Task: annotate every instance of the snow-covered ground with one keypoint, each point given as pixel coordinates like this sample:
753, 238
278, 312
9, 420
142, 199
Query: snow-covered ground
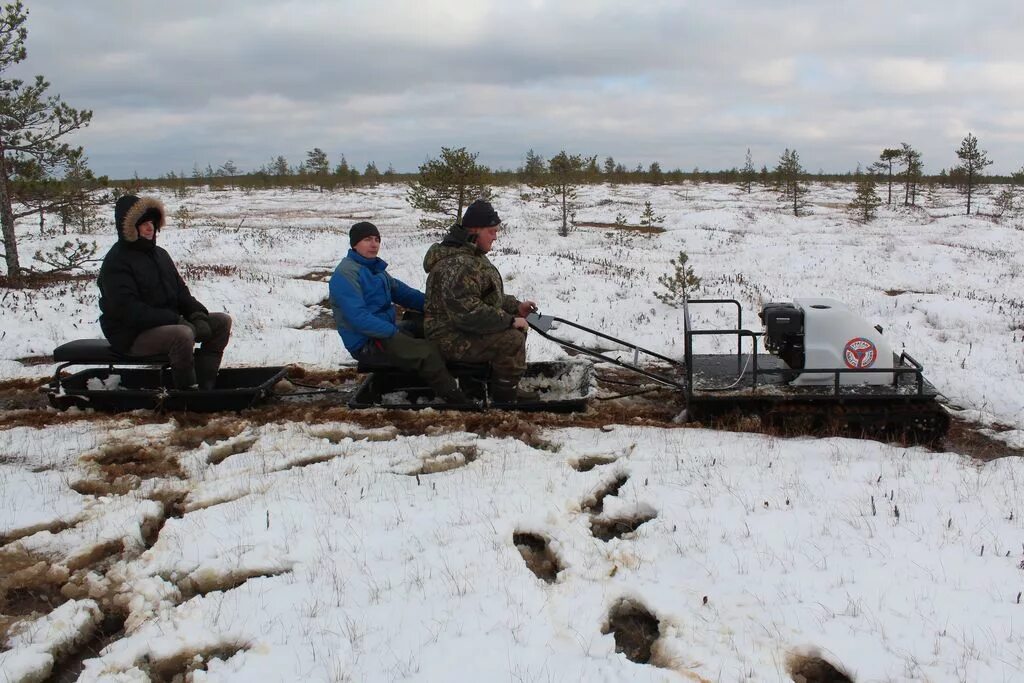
338, 552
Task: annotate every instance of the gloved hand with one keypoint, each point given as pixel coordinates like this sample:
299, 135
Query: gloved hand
201, 322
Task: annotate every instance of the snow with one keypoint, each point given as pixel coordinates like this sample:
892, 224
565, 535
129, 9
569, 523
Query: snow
337, 551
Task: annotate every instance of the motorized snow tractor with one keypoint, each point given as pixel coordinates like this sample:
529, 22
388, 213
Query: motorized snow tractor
825, 366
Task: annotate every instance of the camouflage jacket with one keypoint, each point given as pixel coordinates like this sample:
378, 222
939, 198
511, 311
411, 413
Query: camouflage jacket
464, 295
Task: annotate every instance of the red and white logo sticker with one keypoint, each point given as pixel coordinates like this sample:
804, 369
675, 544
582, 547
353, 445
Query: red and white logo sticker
860, 353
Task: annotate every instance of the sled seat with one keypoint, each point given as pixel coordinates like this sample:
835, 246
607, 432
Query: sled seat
99, 352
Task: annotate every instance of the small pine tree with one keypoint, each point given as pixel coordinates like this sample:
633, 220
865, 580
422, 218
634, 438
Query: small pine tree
972, 162
748, 174
448, 185
679, 283
866, 202
789, 181
558, 187
648, 217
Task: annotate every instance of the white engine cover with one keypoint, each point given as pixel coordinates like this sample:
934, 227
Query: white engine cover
836, 337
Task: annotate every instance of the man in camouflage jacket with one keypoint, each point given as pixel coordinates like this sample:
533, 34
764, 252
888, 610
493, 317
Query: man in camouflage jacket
467, 313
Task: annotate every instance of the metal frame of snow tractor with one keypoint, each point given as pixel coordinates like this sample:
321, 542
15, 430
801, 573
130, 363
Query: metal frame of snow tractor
716, 385
753, 383
145, 382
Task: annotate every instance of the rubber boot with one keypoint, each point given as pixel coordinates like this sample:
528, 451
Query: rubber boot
207, 365
504, 391
449, 392
184, 379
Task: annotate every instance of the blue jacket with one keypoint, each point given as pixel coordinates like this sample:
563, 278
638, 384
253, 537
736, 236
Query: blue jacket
363, 297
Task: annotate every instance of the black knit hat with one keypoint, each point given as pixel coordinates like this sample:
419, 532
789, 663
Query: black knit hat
480, 214
361, 231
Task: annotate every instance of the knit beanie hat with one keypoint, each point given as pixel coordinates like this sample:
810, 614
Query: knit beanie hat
480, 214
361, 231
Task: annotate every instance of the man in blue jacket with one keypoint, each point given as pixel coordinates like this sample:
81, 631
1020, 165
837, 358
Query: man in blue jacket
363, 296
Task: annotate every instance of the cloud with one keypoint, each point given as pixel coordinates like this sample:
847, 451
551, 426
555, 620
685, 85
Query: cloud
192, 82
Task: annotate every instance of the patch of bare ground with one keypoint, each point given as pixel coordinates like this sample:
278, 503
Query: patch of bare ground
635, 630
22, 394
967, 439
812, 668
606, 528
644, 229
217, 429
589, 462
316, 276
222, 450
145, 461
323, 318
22, 532
208, 582
446, 458
537, 553
29, 584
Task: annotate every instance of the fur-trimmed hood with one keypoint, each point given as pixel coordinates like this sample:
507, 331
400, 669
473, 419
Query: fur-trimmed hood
129, 211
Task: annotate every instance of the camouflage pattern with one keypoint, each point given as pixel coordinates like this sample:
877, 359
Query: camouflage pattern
467, 313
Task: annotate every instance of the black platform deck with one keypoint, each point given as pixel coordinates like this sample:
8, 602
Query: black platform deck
147, 388
404, 391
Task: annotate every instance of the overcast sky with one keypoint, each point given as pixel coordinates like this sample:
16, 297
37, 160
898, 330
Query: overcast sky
683, 82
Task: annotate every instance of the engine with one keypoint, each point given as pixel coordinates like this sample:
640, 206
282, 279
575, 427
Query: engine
824, 334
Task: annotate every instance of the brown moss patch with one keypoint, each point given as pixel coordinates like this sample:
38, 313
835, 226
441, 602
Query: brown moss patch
625, 227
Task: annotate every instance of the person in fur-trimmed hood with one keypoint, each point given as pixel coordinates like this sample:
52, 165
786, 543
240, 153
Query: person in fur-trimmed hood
147, 309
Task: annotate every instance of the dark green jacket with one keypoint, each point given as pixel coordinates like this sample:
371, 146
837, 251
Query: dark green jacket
464, 294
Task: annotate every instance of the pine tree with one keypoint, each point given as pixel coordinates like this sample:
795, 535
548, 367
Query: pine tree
866, 202
279, 167
609, 166
32, 125
972, 162
910, 159
559, 186
748, 174
317, 163
533, 169
371, 176
884, 164
680, 283
448, 185
789, 181
654, 174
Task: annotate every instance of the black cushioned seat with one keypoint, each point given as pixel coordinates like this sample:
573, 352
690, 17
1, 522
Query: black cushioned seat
98, 351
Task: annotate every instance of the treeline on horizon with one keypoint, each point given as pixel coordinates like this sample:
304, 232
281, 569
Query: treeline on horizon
317, 172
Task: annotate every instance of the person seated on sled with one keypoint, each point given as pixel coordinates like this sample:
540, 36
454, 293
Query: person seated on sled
363, 297
147, 309
467, 313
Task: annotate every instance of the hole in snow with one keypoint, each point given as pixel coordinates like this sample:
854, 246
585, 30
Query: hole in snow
635, 630
813, 668
70, 667
221, 451
595, 502
179, 666
537, 554
339, 434
608, 528
202, 582
589, 462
